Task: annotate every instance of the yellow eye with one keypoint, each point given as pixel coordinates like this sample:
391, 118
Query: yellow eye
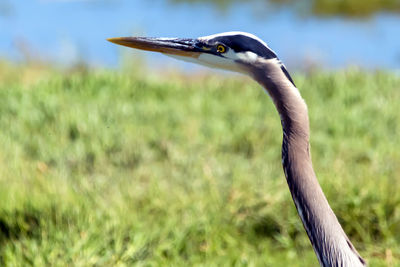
221, 49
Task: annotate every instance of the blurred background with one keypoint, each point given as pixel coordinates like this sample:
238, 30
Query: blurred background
328, 34
116, 157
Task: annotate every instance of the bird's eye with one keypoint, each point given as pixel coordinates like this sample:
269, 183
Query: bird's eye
221, 49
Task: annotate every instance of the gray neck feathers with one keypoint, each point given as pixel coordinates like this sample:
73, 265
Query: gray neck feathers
330, 243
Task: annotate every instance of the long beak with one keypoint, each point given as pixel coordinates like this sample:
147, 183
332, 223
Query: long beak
170, 46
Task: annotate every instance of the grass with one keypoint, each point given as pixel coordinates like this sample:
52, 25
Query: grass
118, 169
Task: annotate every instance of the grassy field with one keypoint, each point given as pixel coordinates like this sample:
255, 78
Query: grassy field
109, 168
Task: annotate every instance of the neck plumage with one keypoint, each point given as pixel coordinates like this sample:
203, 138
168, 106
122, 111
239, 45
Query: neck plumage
330, 243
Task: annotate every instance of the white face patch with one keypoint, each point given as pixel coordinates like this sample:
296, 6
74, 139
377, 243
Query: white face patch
230, 60
248, 56
214, 61
227, 61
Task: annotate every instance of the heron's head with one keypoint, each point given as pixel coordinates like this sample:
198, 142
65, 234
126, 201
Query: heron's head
235, 51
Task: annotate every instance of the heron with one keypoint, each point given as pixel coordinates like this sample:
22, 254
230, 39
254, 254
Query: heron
247, 54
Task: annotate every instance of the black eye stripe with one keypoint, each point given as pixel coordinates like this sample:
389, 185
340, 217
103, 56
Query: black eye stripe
243, 43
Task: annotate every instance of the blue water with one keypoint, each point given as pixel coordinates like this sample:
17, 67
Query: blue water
66, 31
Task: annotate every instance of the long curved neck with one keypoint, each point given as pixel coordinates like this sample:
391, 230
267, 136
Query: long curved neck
330, 243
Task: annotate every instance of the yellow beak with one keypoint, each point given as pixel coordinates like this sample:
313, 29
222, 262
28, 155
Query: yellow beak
170, 46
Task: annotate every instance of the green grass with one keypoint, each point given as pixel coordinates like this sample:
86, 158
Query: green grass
118, 169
